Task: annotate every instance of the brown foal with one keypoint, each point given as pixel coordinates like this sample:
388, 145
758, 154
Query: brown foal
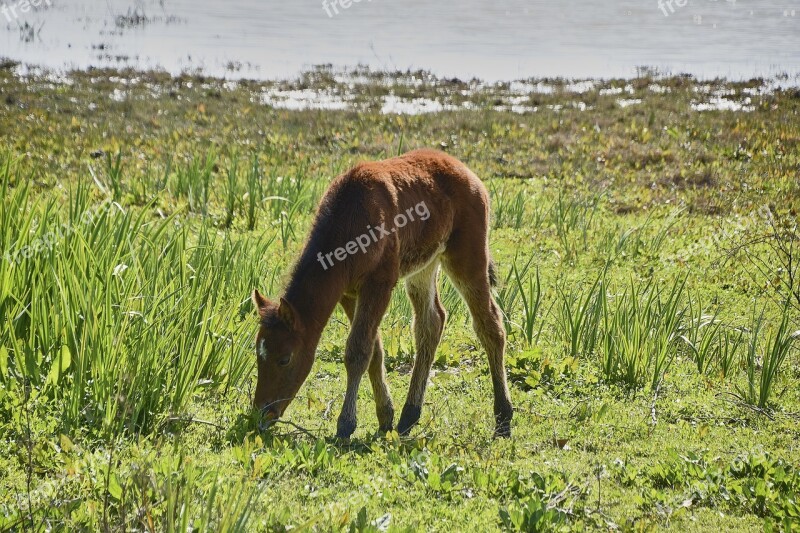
378, 223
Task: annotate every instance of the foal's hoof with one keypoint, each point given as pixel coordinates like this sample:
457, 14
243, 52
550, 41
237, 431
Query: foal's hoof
345, 428
408, 418
502, 430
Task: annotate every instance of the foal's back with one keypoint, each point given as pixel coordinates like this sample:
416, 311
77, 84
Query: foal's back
396, 194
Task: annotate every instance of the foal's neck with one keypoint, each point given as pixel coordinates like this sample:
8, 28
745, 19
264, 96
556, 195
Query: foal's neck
314, 293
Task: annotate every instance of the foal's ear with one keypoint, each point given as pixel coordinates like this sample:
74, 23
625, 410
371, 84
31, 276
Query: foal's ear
287, 314
260, 302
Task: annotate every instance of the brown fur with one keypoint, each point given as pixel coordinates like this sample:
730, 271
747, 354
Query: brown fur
454, 235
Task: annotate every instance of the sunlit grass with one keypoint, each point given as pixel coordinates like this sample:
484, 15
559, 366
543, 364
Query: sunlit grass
642, 377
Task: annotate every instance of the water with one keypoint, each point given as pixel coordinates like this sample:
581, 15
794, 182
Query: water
491, 40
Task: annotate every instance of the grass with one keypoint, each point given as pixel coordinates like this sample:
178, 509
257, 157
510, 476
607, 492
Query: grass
649, 308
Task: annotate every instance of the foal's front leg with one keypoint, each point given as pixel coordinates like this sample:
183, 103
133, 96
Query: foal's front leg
377, 374
370, 307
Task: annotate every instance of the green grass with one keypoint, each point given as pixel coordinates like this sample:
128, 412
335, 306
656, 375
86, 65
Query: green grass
648, 302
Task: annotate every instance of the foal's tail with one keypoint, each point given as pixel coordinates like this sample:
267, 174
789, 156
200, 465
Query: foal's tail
492, 274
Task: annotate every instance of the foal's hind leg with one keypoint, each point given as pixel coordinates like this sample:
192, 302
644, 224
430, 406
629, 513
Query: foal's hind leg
429, 318
469, 272
377, 374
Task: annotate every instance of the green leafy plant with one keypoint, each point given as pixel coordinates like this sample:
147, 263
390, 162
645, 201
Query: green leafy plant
702, 336
640, 332
764, 360
580, 315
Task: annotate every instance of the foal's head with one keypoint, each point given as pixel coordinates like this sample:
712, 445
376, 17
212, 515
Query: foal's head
282, 368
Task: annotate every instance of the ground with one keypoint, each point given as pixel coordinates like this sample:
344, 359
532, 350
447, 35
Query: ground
641, 230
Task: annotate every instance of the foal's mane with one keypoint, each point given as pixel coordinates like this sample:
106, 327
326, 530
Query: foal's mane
341, 216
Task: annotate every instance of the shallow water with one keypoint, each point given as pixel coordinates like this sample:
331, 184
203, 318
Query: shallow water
510, 39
